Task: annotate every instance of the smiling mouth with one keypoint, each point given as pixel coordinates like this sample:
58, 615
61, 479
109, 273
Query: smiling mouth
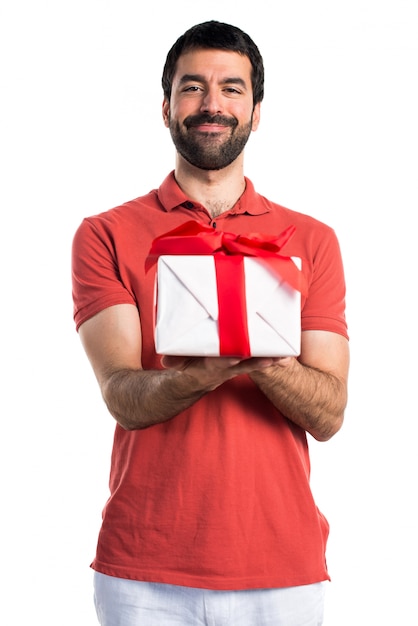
209, 128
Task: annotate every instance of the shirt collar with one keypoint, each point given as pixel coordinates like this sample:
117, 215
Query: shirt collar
171, 197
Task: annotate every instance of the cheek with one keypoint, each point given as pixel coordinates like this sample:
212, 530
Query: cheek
246, 115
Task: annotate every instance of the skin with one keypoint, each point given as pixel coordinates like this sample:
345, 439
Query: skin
310, 390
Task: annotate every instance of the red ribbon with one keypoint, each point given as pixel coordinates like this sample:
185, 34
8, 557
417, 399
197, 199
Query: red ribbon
228, 250
232, 308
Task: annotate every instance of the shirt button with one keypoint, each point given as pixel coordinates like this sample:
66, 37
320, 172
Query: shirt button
188, 204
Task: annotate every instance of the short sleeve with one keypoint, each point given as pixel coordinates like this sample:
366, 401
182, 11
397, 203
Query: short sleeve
96, 282
324, 308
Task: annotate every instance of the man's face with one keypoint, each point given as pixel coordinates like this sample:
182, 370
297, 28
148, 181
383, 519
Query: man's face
210, 114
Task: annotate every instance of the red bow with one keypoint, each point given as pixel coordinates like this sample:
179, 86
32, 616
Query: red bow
194, 238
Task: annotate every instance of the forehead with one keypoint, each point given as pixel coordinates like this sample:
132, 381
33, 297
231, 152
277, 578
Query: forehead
210, 63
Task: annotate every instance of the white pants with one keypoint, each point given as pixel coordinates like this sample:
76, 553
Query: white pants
121, 602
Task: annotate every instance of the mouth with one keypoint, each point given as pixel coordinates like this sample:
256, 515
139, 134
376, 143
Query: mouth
209, 128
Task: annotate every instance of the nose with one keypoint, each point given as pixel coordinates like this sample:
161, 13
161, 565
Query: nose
211, 102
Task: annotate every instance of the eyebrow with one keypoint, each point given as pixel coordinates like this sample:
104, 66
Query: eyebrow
199, 78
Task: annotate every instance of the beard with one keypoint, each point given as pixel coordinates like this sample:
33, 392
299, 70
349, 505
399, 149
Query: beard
208, 151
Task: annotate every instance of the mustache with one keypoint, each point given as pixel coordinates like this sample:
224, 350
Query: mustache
205, 118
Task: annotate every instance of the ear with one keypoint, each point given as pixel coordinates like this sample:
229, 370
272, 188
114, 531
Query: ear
166, 112
256, 116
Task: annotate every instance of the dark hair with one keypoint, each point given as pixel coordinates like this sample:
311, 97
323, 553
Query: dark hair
218, 36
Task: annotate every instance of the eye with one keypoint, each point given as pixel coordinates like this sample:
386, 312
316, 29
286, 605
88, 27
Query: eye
191, 88
233, 91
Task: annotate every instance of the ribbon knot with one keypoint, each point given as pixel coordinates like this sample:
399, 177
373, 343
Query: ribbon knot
194, 238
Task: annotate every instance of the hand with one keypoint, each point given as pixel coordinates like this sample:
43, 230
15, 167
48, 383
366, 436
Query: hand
226, 367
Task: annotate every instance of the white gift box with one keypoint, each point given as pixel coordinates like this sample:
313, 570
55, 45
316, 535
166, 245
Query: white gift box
186, 308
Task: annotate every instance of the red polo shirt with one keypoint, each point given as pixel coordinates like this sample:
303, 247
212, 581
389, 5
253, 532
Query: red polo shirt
219, 496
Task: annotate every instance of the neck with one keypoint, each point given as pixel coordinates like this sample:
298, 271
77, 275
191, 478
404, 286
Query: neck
216, 190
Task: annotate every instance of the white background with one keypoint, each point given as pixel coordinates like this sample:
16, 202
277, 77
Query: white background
81, 131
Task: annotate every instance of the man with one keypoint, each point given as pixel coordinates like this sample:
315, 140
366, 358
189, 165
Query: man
210, 518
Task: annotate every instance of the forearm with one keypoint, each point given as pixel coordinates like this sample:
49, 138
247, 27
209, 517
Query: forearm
141, 398
313, 399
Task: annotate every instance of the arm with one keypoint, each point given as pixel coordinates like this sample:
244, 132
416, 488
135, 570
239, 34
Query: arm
139, 398
311, 391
